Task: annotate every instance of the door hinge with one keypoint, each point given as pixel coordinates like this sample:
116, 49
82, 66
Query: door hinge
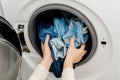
22, 38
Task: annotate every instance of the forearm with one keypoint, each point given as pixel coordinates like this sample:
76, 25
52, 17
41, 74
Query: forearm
68, 63
68, 72
40, 73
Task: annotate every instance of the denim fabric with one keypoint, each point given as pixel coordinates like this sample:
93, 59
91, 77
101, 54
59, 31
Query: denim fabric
75, 29
65, 33
44, 29
60, 31
60, 28
59, 48
57, 67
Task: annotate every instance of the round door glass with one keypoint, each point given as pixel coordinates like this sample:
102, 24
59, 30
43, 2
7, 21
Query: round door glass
9, 61
48, 13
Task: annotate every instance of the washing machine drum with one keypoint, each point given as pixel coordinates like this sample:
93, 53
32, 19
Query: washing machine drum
47, 15
9, 52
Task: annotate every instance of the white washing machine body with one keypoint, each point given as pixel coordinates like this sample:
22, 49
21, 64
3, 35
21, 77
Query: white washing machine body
1, 11
104, 17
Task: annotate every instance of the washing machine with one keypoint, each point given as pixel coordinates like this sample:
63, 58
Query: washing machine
101, 17
10, 51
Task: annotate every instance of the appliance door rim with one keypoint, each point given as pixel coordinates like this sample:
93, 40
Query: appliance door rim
9, 43
12, 33
70, 10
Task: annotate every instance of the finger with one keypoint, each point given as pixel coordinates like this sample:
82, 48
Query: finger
84, 52
41, 45
47, 39
72, 41
82, 47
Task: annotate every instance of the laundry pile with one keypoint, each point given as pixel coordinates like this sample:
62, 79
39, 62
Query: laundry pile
61, 30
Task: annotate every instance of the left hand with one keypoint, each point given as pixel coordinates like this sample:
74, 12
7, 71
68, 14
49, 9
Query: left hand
47, 59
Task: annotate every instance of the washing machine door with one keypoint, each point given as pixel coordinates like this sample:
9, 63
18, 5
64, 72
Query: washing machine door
10, 52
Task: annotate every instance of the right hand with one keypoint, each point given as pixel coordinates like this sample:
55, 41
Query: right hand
74, 55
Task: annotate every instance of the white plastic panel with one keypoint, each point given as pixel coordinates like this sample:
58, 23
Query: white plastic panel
1, 11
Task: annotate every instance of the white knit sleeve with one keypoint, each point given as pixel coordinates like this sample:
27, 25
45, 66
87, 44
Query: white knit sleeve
40, 73
68, 74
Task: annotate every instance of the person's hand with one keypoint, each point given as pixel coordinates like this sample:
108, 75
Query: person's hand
47, 59
74, 55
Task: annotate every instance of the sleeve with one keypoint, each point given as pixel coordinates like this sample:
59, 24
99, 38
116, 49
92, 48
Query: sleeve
40, 73
68, 74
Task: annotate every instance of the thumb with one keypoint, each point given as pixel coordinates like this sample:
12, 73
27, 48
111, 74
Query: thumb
41, 45
82, 47
72, 41
47, 39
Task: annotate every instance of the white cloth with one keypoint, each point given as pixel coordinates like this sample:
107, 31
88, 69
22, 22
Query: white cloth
68, 74
41, 73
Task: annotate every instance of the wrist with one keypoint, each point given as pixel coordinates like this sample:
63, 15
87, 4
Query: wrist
68, 63
46, 63
48, 59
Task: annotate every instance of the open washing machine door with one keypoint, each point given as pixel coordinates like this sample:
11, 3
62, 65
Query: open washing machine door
10, 52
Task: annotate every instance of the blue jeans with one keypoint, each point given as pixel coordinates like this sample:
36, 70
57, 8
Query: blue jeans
58, 47
75, 29
60, 31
